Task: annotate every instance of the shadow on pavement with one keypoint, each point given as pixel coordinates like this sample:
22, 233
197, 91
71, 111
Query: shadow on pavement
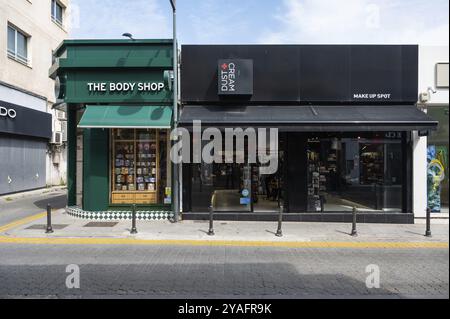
174, 280
56, 202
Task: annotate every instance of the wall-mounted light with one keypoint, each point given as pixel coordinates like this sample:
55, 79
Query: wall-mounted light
128, 35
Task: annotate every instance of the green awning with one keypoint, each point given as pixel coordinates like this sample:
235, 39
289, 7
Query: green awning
130, 116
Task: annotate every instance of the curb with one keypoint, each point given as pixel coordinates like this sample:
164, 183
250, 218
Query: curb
25, 194
4, 238
221, 243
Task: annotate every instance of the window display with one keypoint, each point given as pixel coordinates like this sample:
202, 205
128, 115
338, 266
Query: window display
136, 160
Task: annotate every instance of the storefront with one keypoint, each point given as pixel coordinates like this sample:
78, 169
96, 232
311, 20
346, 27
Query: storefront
24, 136
119, 116
345, 117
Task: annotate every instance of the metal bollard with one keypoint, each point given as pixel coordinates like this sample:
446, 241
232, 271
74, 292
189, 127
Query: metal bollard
211, 222
354, 232
428, 230
49, 228
279, 232
133, 220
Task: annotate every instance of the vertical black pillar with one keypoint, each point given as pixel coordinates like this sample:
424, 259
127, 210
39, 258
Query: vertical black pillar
187, 184
296, 170
71, 154
407, 183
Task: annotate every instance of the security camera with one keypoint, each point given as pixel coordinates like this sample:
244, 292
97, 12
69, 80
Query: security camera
432, 90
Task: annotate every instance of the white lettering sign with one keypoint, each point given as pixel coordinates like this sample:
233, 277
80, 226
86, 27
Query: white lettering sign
372, 96
228, 77
127, 87
4, 112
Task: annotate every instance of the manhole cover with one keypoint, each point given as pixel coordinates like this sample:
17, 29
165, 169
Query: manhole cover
101, 224
54, 226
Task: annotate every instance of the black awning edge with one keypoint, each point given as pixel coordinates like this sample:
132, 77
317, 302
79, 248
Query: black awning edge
324, 119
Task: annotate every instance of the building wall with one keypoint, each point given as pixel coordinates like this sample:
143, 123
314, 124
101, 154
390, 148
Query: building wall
428, 57
12, 95
33, 18
29, 85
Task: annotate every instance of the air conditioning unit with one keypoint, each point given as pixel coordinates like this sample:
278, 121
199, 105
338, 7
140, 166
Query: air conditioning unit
61, 115
424, 97
64, 131
56, 138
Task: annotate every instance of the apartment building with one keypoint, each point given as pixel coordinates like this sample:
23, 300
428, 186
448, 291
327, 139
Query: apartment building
32, 134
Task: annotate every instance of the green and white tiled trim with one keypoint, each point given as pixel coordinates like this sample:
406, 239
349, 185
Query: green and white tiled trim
77, 212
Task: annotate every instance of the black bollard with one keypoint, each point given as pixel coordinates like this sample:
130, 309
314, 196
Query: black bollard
279, 232
133, 220
354, 232
428, 230
49, 228
211, 221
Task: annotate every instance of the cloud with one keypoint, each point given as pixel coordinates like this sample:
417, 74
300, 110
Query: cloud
111, 18
360, 21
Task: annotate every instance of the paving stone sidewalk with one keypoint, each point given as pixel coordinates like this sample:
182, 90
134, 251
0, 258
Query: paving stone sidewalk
66, 226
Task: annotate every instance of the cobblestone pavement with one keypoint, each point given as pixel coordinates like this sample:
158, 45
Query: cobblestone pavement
225, 272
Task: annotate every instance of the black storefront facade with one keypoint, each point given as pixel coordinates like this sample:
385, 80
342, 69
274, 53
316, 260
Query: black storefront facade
344, 114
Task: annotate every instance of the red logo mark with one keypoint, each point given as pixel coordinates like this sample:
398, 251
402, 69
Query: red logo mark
224, 66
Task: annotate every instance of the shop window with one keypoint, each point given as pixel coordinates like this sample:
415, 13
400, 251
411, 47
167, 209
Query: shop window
346, 172
237, 187
17, 45
139, 166
57, 12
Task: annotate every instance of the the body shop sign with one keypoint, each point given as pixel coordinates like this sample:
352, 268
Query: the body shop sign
128, 87
235, 77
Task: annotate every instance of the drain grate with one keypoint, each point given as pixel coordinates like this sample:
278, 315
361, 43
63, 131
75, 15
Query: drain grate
54, 226
101, 224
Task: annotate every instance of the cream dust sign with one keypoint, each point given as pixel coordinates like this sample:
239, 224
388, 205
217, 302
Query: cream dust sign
129, 87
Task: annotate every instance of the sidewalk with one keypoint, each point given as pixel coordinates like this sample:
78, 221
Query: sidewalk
40, 191
226, 232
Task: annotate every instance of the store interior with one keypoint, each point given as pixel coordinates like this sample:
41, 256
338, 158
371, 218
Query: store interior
238, 187
355, 172
333, 173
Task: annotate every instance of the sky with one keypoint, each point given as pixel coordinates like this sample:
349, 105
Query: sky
423, 22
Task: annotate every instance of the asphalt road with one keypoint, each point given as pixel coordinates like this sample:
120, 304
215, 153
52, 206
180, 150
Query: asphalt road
214, 272
220, 272
17, 208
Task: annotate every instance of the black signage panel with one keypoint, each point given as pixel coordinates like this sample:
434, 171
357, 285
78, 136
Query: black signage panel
303, 74
235, 77
16, 119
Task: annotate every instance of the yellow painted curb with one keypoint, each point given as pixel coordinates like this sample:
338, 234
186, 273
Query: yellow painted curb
22, 221
214, 243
